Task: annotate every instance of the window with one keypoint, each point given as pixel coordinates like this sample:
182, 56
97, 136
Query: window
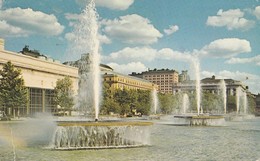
49, 100
35, 100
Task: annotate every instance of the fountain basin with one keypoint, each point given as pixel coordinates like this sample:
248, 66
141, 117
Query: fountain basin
78, 135
103, 123
202, 120
239, 117
197, 120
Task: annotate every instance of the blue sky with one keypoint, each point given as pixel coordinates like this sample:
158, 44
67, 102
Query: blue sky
139, 34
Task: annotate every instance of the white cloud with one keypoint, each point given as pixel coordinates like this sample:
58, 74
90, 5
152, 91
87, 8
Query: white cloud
257, 12
172, 29
232, 19
7, 30
240, 76
72, 16
253, 60
25, 22
111, 4
207, 74
132, 29
252, 82
133, 54
104, 39
169, 54
226, 48
114, 4
146, 54
128, 68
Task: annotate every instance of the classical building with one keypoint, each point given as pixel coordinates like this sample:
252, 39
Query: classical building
211, 85
164, 78
121, 81
215, 86
40, 75
257, 100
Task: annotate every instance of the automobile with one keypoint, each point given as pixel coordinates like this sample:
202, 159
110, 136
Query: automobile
3, 116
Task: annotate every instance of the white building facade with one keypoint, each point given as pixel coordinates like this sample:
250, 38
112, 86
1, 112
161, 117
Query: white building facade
40, 76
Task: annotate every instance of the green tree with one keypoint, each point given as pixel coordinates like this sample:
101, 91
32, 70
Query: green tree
63, 94
108, 103
251, 104
211, 102
167, 103
13, 93
125, 101
122, 97
143, 102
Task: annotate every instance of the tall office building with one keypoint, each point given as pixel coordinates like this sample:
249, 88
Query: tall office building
164, 78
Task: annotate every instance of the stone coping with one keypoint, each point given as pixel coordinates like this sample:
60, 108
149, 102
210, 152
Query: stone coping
103, 123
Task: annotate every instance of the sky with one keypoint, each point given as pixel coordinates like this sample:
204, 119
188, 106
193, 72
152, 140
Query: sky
137, 35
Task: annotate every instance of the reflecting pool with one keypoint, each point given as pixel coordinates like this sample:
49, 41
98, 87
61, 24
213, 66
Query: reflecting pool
238, 140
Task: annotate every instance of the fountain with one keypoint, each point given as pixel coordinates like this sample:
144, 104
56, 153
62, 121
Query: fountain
155, 101
238, 95
82, 133
245, 103
196, 65
98, 135
200, 119
242, 107
185, 103
86, 41
224, 94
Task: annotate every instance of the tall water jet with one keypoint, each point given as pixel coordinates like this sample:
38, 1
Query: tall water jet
245, 103
185, 103
238, 94
196, 65
155, 102
224, 94
78, 133
86, 41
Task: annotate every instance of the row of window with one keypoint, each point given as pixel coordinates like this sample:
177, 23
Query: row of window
148, 76
134, 83
161, 79
38, 99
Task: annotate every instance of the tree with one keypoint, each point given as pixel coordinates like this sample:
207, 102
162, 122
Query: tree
168, 102
125, 102
143, 102
251, 104
122, 97
63, 94
13, 93
108, 103
211, 102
